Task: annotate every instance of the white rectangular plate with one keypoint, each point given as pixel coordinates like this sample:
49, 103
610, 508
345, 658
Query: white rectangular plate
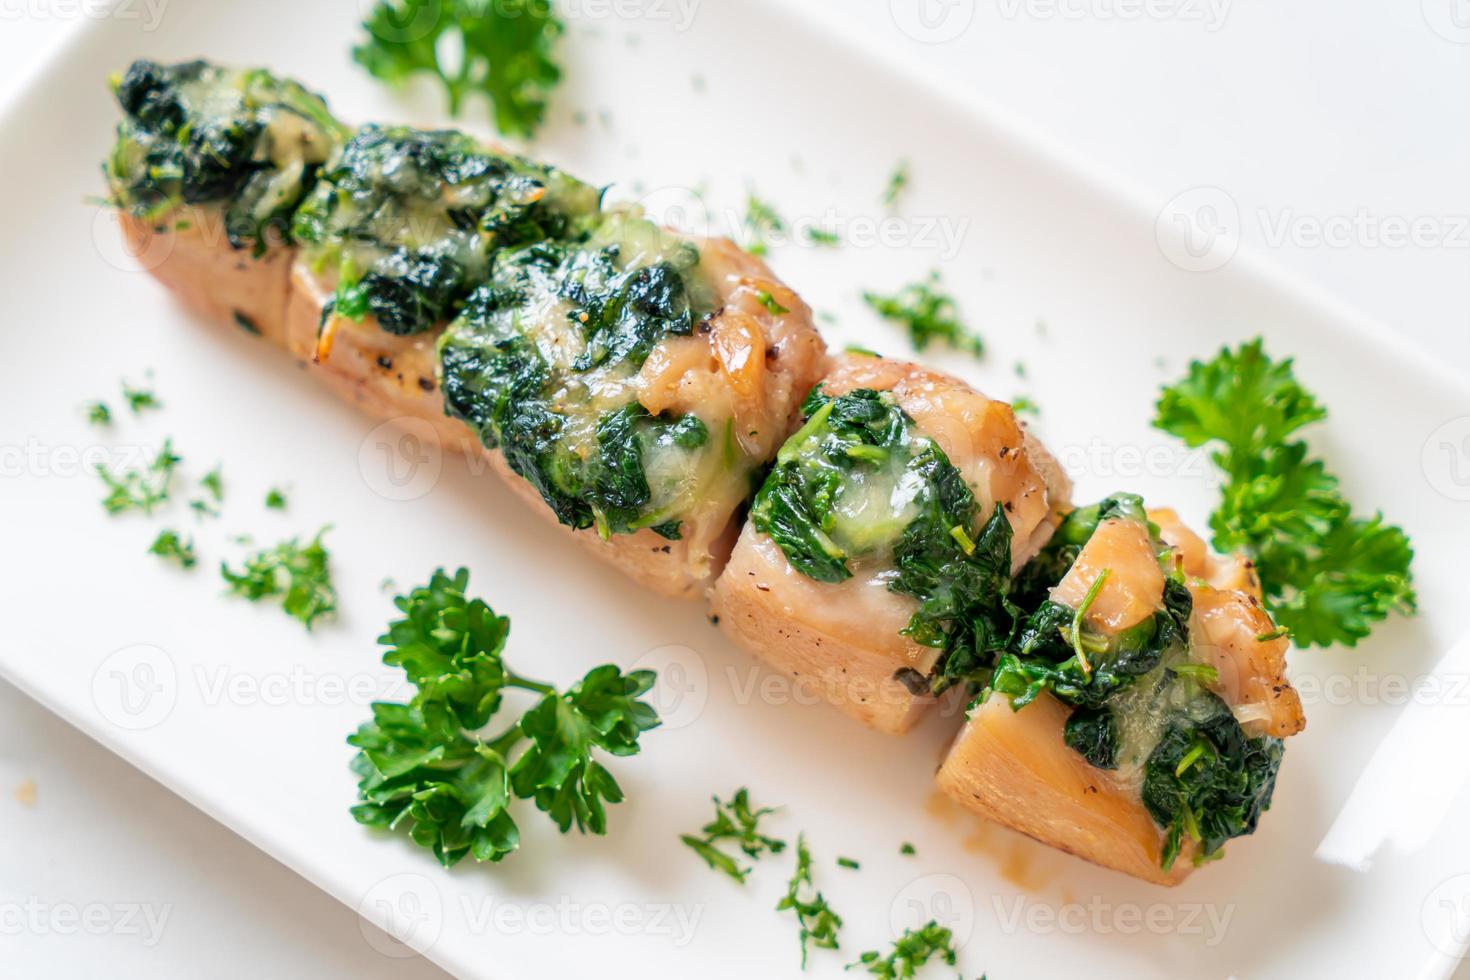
244, 714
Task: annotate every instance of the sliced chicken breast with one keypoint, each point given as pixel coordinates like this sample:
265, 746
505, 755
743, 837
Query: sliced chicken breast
1022, 764
841, 633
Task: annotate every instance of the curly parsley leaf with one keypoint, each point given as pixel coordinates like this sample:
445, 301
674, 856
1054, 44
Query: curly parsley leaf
300, 574
417, 770
1329, 576
738, 823
505, 52
558, 770
424, 766
169, 544
99, 414
142, 488
818, 925
928, 315
275, 499
910, 952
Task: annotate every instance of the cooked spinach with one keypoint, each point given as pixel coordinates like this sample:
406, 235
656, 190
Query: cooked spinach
1206, 780
538, 363
196, 133
1041, 655
860, 482
1137, 700
410, 219
1093, 734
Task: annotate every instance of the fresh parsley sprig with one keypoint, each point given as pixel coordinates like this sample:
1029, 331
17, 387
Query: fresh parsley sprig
739, 823
505, 47
425, 767
1328, 575
817, 923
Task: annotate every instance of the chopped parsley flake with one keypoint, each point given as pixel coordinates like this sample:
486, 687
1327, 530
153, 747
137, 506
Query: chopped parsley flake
140, 399
1023, 405
927, 315
738, 823
818, 925
898, 182
910, 952
169, 544
770, 303
140, 489
761, 221
300, 574
214, 482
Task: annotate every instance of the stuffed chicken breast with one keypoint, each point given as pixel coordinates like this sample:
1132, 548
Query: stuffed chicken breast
882, 544
1135, 716
629, 381
207, 170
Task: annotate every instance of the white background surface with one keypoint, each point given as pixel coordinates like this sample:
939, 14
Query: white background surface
1317, 114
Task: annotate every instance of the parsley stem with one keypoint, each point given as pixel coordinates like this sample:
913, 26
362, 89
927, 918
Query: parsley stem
526, 684
502, 743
